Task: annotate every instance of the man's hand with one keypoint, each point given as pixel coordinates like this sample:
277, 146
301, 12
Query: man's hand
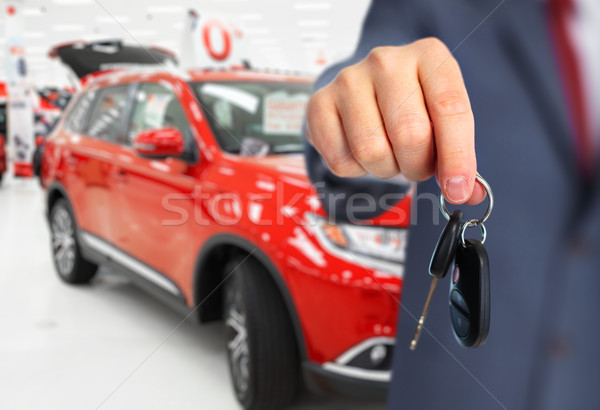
400, 110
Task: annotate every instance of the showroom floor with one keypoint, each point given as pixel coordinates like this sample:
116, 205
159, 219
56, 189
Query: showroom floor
107, 345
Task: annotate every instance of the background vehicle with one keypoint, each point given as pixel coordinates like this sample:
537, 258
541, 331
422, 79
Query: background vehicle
194, 187
87, 59
2, 157
2, 139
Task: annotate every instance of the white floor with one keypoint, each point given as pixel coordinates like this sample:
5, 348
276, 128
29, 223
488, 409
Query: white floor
108, 345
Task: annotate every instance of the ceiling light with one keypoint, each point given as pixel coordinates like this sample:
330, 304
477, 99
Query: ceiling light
314, 44
270, 49
165, 9
312, 6
34, 34
142, 33
316, 35
113, 19
34, 11
251, 16
313, 23
257, 30
276, 56
67, 27
263, 41
72, 2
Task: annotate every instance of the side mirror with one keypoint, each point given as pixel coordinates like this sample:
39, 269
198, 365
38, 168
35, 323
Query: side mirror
161, 143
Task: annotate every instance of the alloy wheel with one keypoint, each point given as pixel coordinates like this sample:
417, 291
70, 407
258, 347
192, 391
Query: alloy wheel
63, 241
237, 340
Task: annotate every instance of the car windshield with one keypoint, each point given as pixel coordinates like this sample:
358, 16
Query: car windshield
250, 114
3, 119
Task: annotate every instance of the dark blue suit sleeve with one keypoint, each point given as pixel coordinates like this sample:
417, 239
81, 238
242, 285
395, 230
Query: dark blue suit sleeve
388, 22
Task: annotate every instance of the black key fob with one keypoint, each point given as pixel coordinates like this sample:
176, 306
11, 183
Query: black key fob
446, 246
470, 294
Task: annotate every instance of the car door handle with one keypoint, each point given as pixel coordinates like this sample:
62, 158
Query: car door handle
71, 161
120, 175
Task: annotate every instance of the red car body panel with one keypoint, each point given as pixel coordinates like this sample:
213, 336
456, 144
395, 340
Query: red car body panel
163, 212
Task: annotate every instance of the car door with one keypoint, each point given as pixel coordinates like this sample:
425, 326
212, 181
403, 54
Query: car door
92, 129
147, 228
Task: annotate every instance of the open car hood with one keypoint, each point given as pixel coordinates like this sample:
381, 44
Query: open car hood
89, 57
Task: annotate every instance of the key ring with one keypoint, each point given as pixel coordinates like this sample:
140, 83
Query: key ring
470, 224
473, 222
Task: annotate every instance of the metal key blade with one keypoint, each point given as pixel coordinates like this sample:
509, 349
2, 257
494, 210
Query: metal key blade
415, 340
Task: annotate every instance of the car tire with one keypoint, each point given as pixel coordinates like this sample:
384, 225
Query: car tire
261, 347
66, 254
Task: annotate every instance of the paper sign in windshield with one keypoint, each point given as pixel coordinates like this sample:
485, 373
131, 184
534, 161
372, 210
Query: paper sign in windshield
283, 113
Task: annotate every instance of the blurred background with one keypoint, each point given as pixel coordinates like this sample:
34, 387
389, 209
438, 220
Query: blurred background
303, 35
114, 346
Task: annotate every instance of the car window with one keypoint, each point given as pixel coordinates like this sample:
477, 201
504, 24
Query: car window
107, 118
75, 122
268, 113
156, 106
3, 119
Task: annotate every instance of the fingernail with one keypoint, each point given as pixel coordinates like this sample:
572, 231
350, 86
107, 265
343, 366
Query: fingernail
456, 189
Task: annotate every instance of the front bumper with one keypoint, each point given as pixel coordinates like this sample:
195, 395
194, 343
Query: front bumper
364, 371
323, 381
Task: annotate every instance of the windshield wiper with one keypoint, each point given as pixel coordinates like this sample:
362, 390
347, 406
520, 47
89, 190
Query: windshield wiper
288, 149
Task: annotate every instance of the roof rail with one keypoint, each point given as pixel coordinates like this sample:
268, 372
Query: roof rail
176, 71
125, 70
244, 67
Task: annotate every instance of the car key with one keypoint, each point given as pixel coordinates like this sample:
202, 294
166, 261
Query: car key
441, 259
470, 294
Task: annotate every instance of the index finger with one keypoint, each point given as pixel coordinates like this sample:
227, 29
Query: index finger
453, 124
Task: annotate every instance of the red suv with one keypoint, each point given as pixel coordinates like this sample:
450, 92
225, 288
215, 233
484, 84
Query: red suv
3, 121
2, 158
194, 186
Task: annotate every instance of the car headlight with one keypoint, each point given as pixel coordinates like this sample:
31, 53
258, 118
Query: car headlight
380, 248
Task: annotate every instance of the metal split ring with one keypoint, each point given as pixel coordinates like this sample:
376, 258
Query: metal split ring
485, 216
470, 224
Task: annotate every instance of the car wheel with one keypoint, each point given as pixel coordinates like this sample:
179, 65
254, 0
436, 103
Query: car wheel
261, 347
70, 265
